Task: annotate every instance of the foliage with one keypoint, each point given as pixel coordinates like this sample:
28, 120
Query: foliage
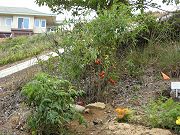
52, 100
116, 37
78, 5
143, 4
98, 39
163, 114
171, 1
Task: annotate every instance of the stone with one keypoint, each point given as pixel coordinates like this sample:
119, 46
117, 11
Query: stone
97, 121
14, 120
158, 131
87, 110
124, 126
79, 108
97, 105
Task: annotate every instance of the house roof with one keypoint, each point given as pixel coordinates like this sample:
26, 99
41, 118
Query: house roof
22, 11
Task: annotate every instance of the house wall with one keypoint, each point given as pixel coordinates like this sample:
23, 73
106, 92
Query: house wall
15, 21
4, 28
39, 29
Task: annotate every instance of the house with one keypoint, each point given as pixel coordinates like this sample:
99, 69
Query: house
16, 21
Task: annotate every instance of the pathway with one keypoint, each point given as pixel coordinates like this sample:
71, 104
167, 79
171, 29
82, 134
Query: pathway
27, 64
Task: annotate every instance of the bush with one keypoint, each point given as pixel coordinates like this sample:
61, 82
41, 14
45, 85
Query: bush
52, 101
163, 114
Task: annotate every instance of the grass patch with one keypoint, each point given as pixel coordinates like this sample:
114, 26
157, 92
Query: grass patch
163, 57
19, 48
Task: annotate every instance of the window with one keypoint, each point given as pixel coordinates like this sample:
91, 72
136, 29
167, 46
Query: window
8, 22
43, 23
36, 22
26, 23
23, 23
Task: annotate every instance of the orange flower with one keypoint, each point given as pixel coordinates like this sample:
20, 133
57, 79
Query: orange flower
122, 112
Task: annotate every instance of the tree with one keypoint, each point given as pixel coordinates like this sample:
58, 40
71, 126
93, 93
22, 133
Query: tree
171, 1
80, 5
76, 5
143, 4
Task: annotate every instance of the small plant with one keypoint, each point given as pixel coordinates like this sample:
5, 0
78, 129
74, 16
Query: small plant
163, 113
52, 101
123, 114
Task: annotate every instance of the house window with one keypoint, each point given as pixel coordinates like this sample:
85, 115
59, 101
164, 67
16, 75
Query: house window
43, 23
23, 23
36, 22
8, 22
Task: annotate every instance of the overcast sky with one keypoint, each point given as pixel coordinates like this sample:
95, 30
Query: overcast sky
32, 5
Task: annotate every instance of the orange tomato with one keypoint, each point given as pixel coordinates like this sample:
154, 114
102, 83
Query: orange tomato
98, 61
113, 82
102, 76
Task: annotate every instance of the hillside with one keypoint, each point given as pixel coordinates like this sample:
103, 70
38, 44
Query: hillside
117, 59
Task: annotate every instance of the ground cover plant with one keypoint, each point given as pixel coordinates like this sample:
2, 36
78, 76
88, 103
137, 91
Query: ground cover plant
163, 114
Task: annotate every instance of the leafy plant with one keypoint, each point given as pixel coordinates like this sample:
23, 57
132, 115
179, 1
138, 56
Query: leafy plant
163, 114
52, 101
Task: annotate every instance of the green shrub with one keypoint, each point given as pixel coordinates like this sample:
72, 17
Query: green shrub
163, 114
52, 101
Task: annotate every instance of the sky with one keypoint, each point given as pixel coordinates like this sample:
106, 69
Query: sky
32, 5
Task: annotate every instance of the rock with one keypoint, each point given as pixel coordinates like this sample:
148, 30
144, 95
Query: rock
79, 108
1, 90
87, 110
97, 105
14, 120
123, 126
80, 103
173, 94
97, 121
115, 128
158, 131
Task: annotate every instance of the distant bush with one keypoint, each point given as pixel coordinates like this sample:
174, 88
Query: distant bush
163, 114
52, 100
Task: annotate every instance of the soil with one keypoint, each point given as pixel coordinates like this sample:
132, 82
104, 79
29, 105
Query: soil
16, 80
